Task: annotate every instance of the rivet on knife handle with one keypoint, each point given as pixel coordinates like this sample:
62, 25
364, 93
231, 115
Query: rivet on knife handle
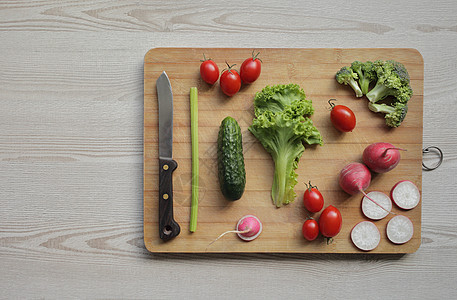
168, 227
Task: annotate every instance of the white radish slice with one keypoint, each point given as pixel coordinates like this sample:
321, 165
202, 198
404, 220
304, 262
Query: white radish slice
400, 229
373, 210
365, 236
405, 194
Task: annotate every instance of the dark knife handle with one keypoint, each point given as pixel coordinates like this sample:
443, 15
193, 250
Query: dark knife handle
168, 228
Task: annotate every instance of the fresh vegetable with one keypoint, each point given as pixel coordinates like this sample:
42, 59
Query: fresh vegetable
346, 76
231, 171
330, 222
209, 70
365, 236
230, 81
195, 160
248, 228
394, 113
366, 74
400, 229
374, 211
312, 199
390, 78
310, 229
250, 69
354, 178
381, 157
281, 127
342, 117
405, 194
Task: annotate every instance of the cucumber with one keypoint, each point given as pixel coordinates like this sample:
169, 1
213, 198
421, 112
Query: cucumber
230, 160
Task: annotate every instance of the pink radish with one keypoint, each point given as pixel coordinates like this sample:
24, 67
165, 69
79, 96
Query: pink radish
405, 194
365, 236
400, 229
373, 211
355, 177
248, 228
381, 157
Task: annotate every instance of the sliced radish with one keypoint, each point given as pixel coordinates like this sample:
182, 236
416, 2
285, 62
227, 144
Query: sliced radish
378, 208
400, 229
405, 194
365, 236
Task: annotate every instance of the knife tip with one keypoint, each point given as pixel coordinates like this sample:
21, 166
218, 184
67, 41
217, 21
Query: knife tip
163, 76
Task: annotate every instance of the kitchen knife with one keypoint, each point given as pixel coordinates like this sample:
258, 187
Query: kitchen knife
168, 227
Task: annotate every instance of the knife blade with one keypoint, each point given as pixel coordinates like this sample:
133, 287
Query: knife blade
168, 227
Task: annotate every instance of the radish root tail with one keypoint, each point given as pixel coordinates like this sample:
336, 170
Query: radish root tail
392, 148
365, 194
230, 231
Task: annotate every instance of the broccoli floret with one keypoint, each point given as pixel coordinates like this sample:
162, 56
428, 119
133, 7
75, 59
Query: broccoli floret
395, 113
390, 78
404, 94
366, 73
346, 76
393, 80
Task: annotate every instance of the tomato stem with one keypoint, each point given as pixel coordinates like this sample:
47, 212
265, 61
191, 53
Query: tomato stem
254, 57
332, 105
310, 186
204, 58
229, 68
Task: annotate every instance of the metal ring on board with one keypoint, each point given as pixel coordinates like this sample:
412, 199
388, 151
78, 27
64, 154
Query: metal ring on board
440, 153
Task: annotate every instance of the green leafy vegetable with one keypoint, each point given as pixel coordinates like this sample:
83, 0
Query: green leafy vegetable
281, 127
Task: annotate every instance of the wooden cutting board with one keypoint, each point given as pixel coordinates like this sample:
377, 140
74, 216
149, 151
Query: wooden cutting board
314, 70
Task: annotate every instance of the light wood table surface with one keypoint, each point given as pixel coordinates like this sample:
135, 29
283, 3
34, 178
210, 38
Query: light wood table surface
71, 149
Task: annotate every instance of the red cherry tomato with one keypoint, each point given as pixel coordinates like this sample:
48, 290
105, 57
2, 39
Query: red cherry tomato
342, 117
330, 221
209, 71
230, 81
250, 69
312, 199
310, 229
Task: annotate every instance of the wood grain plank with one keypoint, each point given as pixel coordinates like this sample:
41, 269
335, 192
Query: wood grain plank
72, 77
282, 226
210, 16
